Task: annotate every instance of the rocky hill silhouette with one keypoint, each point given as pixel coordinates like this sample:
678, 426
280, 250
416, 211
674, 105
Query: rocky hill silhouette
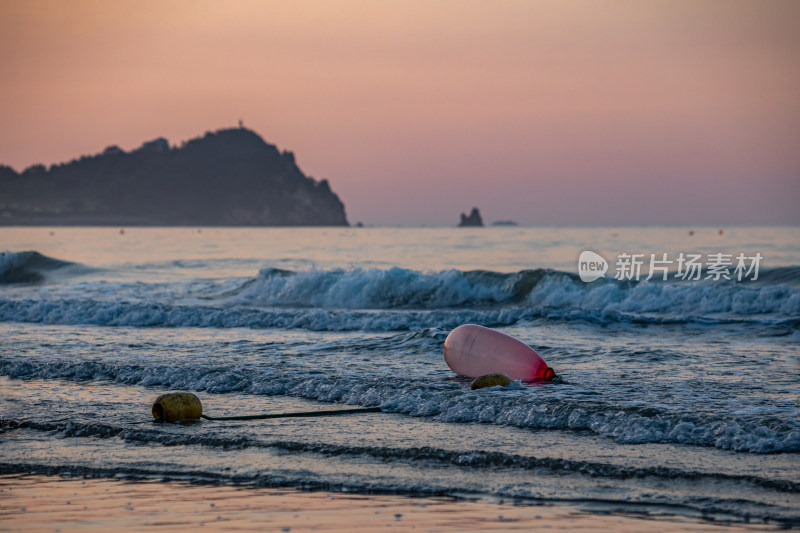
230, 177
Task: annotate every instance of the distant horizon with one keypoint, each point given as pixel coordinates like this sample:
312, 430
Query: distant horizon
490, 225
547, 113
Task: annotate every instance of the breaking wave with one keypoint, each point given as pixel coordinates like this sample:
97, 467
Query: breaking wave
399, 299
445, 402
27, 267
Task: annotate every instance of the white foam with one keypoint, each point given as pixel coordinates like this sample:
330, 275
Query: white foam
518, 406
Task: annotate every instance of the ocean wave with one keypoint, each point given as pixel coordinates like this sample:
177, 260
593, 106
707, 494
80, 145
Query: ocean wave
284, 479
543, 293
478, 459
396, 299
446, 402
562, 296
148, 314
395, 288
154, 314
708, 508
27, 267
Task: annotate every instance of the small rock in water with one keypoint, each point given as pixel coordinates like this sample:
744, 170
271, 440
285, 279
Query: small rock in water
490, 380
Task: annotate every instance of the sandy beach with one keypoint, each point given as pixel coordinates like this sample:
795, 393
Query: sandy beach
55, 504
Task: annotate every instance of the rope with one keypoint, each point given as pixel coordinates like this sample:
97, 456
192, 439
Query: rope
297, 415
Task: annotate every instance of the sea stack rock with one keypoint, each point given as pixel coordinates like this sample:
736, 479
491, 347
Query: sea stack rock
474, 219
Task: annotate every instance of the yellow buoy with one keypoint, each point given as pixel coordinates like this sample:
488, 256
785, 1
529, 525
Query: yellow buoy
490, 380
176, 406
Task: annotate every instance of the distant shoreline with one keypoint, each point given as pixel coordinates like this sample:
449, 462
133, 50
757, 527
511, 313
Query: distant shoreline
111, 222
130, 222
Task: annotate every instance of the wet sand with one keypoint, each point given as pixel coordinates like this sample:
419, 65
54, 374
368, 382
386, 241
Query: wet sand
51, 503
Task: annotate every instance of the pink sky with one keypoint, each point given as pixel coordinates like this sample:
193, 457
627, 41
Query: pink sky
544, 112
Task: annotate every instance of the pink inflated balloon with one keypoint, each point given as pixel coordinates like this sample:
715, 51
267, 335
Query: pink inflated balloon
472, 351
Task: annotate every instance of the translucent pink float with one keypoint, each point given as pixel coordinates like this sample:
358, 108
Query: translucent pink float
472, 351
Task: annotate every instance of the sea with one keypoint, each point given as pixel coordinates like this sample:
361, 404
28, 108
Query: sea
679, 396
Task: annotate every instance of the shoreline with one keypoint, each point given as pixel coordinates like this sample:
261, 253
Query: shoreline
38, 503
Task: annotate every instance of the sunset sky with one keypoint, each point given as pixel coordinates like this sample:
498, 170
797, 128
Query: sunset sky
544, 112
